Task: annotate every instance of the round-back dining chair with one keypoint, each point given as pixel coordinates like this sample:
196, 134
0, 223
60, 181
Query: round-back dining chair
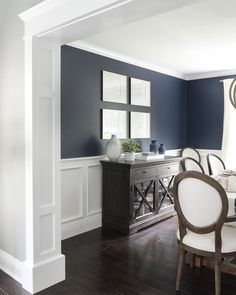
190, 164
190, 152
215, 164
202, 205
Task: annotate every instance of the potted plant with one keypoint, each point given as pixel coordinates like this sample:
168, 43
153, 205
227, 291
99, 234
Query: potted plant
130, 147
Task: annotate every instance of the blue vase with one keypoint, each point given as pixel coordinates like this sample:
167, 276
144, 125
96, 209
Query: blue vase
153, 146
162, 149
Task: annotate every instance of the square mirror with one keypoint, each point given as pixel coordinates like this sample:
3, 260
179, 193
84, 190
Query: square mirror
114, 122
114, 87
140, 125
140, 92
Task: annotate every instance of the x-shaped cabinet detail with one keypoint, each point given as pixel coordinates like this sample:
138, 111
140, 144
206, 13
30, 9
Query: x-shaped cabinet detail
164, 196
144, 198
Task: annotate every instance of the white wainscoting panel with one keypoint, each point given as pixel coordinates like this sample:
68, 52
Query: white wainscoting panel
94, 189
81, 181
72, 194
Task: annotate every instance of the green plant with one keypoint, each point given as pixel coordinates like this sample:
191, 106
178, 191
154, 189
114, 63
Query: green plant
131, 145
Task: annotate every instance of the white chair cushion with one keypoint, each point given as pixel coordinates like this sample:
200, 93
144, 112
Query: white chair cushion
206, 242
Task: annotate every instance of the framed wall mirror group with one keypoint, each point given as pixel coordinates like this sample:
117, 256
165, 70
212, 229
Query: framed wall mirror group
125, 121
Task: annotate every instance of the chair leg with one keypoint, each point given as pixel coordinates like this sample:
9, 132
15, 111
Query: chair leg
218, 263
180, 267
192, 260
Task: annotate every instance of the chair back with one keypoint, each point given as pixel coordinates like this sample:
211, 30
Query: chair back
190, 164
191, 153
201, 203
215, 164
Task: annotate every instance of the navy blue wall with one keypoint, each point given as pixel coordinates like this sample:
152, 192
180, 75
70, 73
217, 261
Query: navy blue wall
81, 103
205, 113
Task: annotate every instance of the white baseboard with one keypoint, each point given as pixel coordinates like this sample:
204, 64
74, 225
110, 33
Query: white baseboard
36, 278
77, 227
12, 266
40, 276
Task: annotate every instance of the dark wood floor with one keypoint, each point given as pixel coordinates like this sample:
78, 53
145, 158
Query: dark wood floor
103, 263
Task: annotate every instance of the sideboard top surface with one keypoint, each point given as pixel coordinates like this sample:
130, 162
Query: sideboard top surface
141, 163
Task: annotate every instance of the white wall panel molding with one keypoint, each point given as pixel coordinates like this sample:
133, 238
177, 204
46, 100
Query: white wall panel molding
81, 195
72, 189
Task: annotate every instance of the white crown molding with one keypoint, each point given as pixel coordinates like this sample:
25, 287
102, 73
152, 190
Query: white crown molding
124, 58
206, 75
40, 8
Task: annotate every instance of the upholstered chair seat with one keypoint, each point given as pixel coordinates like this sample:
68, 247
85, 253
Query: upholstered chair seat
206, 242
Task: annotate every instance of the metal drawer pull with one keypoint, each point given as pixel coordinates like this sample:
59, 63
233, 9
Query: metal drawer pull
144, 171
167, 167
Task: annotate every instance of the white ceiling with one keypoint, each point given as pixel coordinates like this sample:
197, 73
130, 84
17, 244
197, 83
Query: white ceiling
194, 39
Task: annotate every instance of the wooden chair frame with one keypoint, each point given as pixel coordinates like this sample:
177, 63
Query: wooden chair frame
216, 227
189, 147
183, 164
209, 162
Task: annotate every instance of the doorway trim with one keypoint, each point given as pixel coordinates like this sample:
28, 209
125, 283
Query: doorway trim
49, 25
44, 34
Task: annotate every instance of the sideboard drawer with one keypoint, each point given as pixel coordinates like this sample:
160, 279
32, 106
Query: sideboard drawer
172, 168
144, 173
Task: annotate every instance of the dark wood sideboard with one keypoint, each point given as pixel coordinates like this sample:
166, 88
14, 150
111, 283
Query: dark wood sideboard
136, 194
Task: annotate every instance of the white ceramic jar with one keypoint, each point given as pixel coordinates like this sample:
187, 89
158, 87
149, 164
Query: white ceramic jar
113, 148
